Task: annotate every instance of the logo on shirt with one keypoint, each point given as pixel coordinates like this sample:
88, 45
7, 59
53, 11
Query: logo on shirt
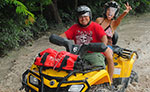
83, 37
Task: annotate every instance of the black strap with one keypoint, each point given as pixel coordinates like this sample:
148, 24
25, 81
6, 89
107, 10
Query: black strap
63, 63
40, 71
44, 58
107, 27
39, 55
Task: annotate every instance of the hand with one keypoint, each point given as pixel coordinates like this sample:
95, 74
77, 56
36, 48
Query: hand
128, 7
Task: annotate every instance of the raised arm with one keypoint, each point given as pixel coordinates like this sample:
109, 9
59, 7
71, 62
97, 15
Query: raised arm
118, 20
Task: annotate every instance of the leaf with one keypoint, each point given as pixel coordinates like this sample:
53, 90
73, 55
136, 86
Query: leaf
46, 2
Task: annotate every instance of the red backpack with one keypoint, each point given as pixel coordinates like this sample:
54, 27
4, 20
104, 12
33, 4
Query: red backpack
57, 60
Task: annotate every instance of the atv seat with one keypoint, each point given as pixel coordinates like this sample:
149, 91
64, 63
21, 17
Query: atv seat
115, 38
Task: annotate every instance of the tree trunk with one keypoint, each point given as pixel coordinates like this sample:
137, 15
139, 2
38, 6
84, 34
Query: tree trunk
54, 11
76, 4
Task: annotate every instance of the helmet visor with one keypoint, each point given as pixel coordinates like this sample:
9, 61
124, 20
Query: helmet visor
86, 14
112, 11
83, 13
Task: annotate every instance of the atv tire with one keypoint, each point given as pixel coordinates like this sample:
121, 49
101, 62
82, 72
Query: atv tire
134, 77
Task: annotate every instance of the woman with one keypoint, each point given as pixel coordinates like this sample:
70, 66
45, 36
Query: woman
109, 22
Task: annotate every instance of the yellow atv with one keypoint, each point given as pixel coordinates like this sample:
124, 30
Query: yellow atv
81, 77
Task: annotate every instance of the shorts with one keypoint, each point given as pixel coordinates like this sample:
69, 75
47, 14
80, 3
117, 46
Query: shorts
95, 59
110, 47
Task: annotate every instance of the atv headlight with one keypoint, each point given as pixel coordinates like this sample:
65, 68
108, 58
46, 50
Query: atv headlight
134, 57
75, 88
33, 80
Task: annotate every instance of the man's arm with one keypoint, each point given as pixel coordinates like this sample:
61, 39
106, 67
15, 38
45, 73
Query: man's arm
63, 35
109, 57
104, 40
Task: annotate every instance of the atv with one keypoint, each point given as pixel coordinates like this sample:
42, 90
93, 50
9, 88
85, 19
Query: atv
72, 74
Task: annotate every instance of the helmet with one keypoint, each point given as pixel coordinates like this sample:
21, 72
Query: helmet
114, 5
84, 10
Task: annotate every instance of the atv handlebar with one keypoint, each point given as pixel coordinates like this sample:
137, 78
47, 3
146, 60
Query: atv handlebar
97, 47
58, 40
68, 44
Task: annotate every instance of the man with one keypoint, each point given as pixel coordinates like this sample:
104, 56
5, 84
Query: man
87, 31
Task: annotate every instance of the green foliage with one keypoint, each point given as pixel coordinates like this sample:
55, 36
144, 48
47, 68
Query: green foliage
12, 35
144, 6
15, 33
42, 23
33, 5
66, 16
140, 6
20, 8
46, 2
2, 4
39, 27
14, 29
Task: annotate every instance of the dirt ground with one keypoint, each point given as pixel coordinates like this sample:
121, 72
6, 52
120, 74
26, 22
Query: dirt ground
133, 34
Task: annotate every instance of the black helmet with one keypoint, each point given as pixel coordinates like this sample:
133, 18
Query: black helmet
81, 10
114, 5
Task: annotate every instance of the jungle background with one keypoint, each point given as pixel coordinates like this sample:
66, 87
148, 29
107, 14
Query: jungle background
22, 21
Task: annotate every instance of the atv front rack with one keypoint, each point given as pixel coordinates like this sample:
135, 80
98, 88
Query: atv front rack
127, 53
124, 53
61, 80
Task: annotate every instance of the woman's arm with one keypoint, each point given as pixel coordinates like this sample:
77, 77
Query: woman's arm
118, 20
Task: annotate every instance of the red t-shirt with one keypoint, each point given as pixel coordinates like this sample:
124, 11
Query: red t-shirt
92, 33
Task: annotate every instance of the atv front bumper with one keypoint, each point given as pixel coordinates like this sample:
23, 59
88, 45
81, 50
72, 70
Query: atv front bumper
33, 82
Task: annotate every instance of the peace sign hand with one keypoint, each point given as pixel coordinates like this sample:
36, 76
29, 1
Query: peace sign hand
128, 7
